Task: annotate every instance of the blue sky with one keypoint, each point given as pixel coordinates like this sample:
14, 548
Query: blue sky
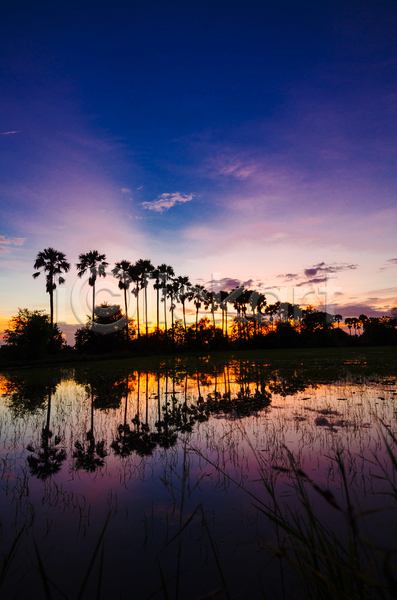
254, 140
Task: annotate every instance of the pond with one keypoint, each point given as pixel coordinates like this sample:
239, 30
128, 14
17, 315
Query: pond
120, 481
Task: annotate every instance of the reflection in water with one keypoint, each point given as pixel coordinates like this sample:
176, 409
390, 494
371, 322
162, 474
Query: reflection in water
91, 456
47, 459
171, 453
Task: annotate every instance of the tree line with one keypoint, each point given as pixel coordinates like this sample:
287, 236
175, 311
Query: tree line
254, 322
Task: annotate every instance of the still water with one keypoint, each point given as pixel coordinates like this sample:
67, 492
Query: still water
166, 473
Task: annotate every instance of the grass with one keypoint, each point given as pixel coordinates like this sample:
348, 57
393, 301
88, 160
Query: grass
318, 561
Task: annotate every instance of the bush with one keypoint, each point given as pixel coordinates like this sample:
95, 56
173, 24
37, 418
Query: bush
29, 335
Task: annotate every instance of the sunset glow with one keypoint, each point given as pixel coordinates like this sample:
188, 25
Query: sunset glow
252, 144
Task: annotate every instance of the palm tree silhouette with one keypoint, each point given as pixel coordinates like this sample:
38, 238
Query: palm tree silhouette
185, 293
120, 271
199, 296
166, 272
144, 267
210, 301
95, 263
172, 293
338, 318
349, 323
52, 263
155, 274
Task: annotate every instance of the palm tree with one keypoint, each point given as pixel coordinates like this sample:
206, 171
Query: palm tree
349, 323
52, 263
210, 301
172, 293
166, 272
144, 267
185, 293
338, 318
95, 263
199, 295
222, 297
155, 274
121, 272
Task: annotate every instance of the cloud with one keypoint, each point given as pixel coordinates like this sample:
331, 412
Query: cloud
323, 268
390, 263
126, 190
8, 132
288, 276
6, 241
317, 273
229, 283
166, 201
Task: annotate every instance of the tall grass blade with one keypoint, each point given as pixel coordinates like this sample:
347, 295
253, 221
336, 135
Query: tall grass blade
42, 573
91, 565
8, 558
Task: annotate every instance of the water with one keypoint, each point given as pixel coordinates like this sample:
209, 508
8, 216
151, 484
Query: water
176, 458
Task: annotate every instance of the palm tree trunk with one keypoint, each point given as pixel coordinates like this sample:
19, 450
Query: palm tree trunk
158, 311
137, 311
126, 313
184, 315
52, 310
172, 317
93, 302
165, 312
147, 330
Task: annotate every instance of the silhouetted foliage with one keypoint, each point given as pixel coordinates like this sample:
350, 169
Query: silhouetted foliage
48, 458
53, 263
113, 340
28, 391
30, 335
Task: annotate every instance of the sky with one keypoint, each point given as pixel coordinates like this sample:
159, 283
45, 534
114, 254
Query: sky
240, 142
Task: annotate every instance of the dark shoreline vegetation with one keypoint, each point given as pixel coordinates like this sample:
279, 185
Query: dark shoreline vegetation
254, 324
312, 525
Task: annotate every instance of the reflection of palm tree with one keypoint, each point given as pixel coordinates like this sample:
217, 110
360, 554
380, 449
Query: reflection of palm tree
94, 263
46, 460
53, 263
93, 456
121, 272
138, 440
